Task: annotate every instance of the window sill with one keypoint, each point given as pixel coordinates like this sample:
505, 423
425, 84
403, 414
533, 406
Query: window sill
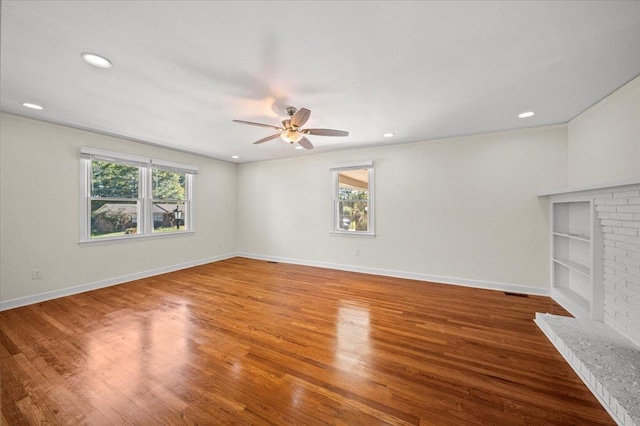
352, 234
117, 240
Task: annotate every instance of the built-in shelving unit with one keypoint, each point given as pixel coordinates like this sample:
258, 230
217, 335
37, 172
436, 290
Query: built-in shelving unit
572, 254
577, 246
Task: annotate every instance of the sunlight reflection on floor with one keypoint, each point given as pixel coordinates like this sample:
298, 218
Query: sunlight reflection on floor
353, 328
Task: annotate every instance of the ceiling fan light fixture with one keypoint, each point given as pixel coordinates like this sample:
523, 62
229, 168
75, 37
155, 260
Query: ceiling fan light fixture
291, 135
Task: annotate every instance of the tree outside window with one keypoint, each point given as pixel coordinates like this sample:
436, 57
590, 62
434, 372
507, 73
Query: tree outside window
115, 201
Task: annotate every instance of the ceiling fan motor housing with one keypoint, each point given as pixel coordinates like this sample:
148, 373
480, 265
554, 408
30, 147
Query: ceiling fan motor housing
291, 111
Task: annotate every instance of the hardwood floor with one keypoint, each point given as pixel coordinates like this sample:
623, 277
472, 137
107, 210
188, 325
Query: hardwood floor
251, 342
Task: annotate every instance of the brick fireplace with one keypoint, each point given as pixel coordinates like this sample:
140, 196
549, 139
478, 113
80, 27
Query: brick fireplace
602, 342
619, 216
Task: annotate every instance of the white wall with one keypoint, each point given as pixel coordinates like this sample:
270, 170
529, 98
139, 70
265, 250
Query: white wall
39, 213
461, 210
604, 141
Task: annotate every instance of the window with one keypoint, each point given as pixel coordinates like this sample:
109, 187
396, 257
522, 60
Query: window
126, 196
114, 198
353, 198
169, 190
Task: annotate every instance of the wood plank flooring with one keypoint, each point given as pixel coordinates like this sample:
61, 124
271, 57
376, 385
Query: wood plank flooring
251, 342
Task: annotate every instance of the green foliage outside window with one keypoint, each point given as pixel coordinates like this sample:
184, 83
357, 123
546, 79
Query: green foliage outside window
353, 208
114, 180
168, 185
352, 194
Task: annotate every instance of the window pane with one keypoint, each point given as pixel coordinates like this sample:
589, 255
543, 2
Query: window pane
164, 217
113, 180
353, 215
168, 185
353, 184
113, 218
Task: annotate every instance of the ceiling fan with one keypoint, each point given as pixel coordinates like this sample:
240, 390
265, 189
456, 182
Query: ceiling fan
290, 129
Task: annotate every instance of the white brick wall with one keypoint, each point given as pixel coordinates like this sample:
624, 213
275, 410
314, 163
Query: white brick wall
619, 214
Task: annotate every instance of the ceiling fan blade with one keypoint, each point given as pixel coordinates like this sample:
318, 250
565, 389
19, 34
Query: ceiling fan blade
267, 139
300, 117
305, 143
325, 132
257, 124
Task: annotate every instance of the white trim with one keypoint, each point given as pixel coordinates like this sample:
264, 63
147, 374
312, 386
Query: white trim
189, 195
351, 234
110, 156
135, 237
85, 170
465, 282
599, 186
50, 295
175, 167
69, 291
144, 189
352, 165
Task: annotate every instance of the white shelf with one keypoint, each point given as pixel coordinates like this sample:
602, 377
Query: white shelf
575, 266
578, 237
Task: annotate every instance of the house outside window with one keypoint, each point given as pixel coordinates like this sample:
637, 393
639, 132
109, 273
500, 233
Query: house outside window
352, 197
126, 196
169, 190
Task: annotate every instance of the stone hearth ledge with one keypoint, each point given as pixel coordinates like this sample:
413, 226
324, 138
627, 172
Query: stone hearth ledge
607, 362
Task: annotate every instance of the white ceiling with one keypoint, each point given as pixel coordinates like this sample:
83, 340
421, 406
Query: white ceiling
422, 70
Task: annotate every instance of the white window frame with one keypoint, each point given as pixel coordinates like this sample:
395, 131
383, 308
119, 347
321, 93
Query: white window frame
145, 196
354, 165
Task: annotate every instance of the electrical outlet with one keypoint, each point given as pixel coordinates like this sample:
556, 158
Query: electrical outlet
356, 252
36, 274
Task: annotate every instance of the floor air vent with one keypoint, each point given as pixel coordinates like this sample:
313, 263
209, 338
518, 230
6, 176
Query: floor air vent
515, 294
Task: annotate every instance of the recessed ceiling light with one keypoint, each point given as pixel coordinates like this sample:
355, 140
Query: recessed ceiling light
388, 135
527, 114
298, 147
97, 60
32, 106
235, 157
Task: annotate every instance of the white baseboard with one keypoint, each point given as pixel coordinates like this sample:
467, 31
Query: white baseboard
489, 285
55, 294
